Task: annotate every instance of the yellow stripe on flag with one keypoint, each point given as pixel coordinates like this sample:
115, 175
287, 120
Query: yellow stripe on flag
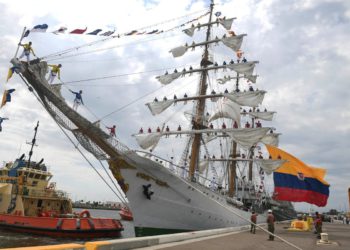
9, 74
3, 102
294, 166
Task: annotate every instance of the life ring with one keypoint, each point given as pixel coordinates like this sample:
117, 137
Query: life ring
84, 214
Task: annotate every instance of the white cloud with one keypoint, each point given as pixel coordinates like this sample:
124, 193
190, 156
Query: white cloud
303, 56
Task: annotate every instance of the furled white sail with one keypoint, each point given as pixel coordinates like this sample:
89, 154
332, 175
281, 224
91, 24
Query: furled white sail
225, 108
209, 137
266, 115
269, 165
147, 141
168, 78
190, 31
226, 23
246, 68
248, 98
203, 165
233, 42
178, 51
251, 78
224, 79
247, 137
271, 139
158, 107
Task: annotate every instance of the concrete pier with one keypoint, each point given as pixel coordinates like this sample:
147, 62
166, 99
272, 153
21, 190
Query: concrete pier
221, 239
339, 236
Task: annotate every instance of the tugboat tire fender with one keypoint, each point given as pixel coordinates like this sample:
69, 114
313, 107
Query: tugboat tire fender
84, 214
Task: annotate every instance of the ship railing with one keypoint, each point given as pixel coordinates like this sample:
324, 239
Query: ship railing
47, 193
179, 171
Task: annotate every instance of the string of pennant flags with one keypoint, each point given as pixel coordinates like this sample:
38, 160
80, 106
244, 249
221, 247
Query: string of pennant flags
97, 32
63, 30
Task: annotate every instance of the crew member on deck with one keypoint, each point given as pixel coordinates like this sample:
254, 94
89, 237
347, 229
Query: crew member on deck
78, 99
247, 125
141, 131
27, 49
54, 71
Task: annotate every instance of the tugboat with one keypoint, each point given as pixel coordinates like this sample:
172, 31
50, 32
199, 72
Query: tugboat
30, 203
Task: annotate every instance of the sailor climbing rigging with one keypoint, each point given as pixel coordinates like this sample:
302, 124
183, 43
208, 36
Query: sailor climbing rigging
111, 130
78, 99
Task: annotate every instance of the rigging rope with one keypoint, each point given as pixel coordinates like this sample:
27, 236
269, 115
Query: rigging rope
76, 146
59, 53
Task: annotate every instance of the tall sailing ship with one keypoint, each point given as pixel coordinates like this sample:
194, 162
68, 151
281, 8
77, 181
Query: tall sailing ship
219, 177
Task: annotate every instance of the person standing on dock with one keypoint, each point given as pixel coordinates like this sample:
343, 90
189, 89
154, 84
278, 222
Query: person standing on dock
270, 224
56, 69
27, 49
253, 220
318, 225
78, 99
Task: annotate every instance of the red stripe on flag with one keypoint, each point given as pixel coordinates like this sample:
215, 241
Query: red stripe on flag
300, 195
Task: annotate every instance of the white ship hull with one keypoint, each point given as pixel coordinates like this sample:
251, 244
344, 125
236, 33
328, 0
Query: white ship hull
176, 205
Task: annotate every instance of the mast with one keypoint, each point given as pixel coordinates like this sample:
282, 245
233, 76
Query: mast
250, 168
33, 143
201, 103
233, 164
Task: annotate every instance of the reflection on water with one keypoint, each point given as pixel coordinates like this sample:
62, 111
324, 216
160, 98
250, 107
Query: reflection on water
12, 239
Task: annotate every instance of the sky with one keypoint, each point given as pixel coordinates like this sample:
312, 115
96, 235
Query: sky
303, 53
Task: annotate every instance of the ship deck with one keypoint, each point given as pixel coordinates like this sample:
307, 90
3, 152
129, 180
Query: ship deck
338, 235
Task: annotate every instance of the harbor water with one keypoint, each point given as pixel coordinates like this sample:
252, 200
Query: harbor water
10, 239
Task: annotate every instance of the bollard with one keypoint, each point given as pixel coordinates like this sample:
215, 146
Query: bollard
324, 238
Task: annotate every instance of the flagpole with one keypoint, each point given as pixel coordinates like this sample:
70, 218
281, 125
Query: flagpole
20, 40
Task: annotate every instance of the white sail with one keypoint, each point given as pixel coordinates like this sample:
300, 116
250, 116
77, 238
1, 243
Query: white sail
266, 115
190, 31
178, 51
271, 139
225, 108
248, 98
203, 165
246, 68
208, 138
247, 137
158, 107
168, 78
226, 23
147, 141
269, 165
251, 78
224, 79
233, 42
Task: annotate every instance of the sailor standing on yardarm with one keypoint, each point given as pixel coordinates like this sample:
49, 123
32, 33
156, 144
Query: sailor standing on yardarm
27, 49
78, 99
55, 71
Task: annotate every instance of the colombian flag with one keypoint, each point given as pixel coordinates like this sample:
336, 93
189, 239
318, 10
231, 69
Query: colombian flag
6, 97
295, 181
